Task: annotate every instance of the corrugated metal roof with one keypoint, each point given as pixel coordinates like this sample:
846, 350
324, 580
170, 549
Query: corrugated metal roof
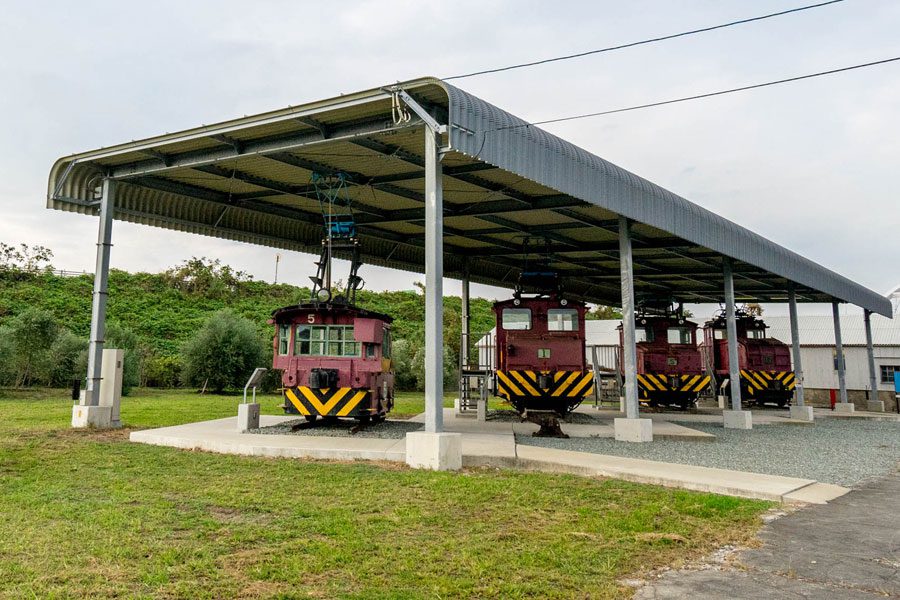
816, 330
248, 180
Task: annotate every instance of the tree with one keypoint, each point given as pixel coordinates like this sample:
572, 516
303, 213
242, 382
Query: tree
223, 352
26, 259
204, 277
402, 353
753, 309
64, 364
418, 369
602, 312
31, 333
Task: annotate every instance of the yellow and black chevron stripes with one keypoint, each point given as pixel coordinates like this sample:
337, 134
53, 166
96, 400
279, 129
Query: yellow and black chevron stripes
560, 384
328, 402
651, 382
758, 381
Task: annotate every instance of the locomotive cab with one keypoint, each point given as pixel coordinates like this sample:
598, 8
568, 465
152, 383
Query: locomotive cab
764, 363
540, 355
335, 360
669, 365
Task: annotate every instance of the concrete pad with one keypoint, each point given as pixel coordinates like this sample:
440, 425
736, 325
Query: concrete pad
91, 416
488, 450
481, 411
844, 407
702, 479
802, 413
816, 493
875, 406
633, 430
248, 417
722, 401
435, 451
221, 436
738, 419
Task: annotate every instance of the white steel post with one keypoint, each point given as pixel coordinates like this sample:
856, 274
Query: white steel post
98, 306
839, 347
870, 355
734, 373
795, 346
631, 428
464, 347
434, 293
630, 352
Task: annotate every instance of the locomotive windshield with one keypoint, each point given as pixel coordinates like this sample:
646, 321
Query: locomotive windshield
756, 334
516, 318
325, 340
680, 335
562, 319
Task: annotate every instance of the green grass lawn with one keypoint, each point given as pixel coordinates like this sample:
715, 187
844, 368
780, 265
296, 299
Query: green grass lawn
88, 514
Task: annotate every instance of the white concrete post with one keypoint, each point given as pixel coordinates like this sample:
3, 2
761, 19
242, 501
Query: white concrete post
844, 404
736, 418
631, 428
874, 403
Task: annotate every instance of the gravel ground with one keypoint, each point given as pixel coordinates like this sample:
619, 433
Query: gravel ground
840, 451
386, 430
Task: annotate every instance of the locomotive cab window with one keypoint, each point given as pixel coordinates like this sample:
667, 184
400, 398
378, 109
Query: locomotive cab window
516, 318
643, 334
386, 344
325, 340
720, 334
756, 334
680, 335
562, 319
284, 334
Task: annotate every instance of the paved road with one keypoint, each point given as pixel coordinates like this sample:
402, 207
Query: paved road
849, 548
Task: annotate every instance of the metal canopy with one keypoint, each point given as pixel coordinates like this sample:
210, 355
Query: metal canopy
250, 180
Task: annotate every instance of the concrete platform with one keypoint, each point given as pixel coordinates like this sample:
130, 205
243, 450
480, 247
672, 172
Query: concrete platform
493, 448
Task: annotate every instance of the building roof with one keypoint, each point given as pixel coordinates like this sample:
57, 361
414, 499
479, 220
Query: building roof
504, 181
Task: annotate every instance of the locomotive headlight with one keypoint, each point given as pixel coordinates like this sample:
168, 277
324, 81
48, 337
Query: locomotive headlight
517, 302
324, 295
563, 302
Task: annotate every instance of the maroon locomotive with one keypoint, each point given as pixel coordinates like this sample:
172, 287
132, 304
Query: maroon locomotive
669, 365
764, 362
335, 359
540, 358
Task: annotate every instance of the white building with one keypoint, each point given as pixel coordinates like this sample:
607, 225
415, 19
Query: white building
819, 355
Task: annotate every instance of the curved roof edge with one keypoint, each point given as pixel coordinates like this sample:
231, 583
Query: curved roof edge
478, 128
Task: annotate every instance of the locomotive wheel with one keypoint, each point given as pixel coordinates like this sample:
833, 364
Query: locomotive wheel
310, 418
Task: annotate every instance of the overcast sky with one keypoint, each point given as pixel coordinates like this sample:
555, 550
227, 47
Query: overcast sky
811, 165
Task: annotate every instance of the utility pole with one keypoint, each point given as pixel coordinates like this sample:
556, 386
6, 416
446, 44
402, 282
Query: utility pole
277, 260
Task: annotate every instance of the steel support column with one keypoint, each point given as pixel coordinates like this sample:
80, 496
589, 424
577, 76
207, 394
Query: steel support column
98, 305
466, 340
839, 347
434, 293
630, 351
734, 374
795, 346
870, 355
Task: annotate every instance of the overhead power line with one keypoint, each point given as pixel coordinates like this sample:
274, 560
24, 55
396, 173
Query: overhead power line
699, 96
642, 42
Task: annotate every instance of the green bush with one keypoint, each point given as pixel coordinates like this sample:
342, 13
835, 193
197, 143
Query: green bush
162, 371
64, 363
223, 352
